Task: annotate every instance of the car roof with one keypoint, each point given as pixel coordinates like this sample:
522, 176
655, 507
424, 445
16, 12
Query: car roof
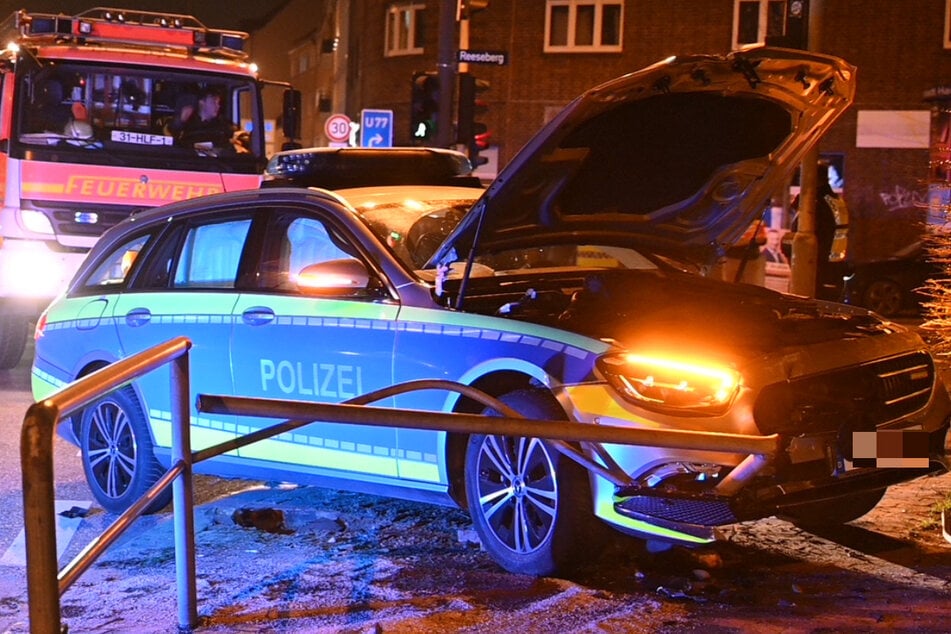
337, 168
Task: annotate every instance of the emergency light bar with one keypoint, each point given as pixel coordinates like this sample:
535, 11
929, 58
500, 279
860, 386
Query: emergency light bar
337, 168
141, 28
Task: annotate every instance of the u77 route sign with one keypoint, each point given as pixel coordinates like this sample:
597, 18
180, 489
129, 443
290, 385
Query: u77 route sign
376, 128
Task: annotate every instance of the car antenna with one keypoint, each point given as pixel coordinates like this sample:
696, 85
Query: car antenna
470, 259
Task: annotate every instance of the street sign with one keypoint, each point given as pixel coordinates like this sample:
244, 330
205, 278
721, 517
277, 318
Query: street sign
376, 128
337, 128
495, 58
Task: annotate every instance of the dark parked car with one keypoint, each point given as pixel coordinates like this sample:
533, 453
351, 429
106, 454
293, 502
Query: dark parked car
890, 287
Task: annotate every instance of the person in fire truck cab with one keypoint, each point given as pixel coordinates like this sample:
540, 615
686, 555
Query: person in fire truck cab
198, 123
53, 114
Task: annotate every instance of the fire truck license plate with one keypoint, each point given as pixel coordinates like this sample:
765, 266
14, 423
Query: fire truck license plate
139, 138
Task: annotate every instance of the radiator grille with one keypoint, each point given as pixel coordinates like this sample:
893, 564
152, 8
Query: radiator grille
871, 394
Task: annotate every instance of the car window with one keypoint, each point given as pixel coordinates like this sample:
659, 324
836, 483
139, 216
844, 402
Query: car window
114, 269
294, 240
210, 255
308, 242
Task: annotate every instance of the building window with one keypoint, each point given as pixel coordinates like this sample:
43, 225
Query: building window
404, 28
755, 20
947, 24
300, 61
583, 26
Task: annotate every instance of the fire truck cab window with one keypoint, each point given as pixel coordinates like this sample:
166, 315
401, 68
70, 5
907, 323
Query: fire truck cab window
146, 112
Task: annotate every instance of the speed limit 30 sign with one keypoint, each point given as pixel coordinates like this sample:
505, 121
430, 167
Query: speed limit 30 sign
337, 128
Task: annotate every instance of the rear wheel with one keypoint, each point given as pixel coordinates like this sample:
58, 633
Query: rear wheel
117, 453
884, 297
833, 512
530, 505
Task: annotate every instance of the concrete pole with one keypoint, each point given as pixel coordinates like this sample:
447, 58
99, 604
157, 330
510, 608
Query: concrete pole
804, 247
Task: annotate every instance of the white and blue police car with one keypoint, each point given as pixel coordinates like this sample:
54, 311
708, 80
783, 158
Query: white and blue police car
574, 288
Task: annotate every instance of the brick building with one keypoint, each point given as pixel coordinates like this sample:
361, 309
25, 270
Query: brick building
347, 55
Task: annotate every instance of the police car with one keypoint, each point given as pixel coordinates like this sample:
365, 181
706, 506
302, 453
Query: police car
573, 288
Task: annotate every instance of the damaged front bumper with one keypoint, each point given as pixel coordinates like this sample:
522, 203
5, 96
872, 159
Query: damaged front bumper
685, 502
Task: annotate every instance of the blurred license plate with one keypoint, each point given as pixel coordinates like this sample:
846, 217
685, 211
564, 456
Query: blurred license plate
889, 448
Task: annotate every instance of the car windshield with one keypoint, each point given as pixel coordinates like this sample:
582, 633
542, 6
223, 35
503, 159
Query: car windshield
138, 116
412, 228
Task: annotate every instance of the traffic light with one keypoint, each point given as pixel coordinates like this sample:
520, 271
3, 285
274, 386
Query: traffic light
470, 131
467, 7
424, 107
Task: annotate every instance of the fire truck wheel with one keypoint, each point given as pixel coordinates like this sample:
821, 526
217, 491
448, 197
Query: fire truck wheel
14, 330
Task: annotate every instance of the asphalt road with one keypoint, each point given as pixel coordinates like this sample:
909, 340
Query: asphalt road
15, 398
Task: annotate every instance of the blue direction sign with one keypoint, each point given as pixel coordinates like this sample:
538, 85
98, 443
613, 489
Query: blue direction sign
376, 128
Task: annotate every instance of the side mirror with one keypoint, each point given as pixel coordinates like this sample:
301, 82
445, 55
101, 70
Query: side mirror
345, 276
291, 114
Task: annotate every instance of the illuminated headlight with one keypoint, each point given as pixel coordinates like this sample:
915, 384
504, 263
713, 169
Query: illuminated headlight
33, 272
36, 221
671, 385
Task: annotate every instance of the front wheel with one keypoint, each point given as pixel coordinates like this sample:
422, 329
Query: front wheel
530, 505
117, 453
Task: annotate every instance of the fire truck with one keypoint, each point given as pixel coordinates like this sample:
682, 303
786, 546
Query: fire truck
93, 111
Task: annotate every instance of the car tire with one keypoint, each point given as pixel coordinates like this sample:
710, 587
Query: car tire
530, 505
117, 453
14, 329
833, 512
884, 297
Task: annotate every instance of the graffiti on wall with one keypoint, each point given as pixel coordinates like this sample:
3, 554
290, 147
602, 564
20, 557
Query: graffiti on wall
902, 198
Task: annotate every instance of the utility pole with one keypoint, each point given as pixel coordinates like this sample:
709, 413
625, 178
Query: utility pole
446, 69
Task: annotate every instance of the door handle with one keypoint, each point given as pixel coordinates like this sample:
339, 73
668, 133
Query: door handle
138, 317
257, 315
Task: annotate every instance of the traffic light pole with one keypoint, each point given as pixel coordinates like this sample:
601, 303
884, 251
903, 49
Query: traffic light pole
446, 69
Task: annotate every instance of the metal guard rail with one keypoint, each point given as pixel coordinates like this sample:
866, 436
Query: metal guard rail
37, 438
44, 583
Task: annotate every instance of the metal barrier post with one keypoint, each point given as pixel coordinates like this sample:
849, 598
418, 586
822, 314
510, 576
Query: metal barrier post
39, 517
182, 497
44, 585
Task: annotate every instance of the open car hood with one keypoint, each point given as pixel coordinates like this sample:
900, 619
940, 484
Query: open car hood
676, 159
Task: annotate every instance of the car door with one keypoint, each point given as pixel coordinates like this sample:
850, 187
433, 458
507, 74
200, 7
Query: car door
290, 344
186, 287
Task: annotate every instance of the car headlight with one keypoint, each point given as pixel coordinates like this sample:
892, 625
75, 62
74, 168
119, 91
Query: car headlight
671, 385
36, 221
